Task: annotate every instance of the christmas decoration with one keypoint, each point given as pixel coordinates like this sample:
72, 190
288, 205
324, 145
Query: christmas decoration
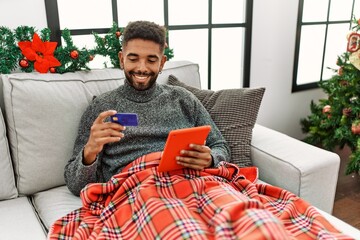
353, 42
326, 109
335, 121
24, 63
30, 50
346, 112
74, 54
9, 53
355, 127
41, 53
109, 45
354, 59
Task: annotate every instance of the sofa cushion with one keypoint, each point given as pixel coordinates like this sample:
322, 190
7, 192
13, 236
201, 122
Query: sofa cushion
43, 112
18, 220
7, 179
234, 112
187, 71
55, 203
341, 225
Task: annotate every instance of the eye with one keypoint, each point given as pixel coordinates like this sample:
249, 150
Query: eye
152, 60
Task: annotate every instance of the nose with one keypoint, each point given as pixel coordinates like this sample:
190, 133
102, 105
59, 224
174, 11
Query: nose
142, 67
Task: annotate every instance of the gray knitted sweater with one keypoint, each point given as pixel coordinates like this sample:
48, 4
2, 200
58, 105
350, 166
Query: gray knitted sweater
160, 109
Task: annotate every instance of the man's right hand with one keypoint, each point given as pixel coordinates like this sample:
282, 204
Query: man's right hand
101, 133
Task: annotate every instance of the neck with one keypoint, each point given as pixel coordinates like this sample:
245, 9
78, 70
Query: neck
135, 95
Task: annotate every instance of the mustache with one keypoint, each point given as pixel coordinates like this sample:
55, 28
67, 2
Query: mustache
142, 73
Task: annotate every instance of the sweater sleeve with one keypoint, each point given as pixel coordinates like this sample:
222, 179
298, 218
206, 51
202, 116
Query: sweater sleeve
77, 175
220, 150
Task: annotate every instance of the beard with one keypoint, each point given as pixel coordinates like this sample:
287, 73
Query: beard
141, 86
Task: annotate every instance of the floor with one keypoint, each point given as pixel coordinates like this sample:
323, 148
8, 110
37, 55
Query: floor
347, 198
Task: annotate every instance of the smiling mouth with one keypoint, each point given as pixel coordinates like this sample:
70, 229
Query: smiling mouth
140, 76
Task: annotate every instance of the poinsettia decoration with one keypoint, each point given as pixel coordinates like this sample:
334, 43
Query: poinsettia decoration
41, 53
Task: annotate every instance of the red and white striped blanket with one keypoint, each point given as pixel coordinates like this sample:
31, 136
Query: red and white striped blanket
218, 203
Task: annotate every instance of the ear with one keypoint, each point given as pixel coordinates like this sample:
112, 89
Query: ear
163, 61
121, 59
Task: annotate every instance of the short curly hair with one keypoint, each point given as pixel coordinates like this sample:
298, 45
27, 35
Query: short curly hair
145, 30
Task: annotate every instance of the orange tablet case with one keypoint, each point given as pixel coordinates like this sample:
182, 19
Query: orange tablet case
178, 140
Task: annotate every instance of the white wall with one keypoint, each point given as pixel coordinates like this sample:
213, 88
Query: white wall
272, 59
273, 44
23, 12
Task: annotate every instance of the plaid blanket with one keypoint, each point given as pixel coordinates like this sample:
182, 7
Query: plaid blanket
217, 203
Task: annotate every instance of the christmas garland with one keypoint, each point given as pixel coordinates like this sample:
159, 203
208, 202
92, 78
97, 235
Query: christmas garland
29, 50
335, 121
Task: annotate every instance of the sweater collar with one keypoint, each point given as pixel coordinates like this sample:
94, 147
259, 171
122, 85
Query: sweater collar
130, 93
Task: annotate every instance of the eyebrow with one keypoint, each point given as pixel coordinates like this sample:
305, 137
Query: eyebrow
137, 55
153, 56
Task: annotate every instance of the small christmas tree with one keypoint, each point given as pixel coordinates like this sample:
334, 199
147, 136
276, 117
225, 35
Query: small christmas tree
335, 121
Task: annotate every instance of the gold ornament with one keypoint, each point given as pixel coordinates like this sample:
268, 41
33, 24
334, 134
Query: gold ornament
354, 59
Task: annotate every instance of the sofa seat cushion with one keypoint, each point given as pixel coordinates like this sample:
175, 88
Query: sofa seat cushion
54, 204
341, 225
234, 111
19, 221
7, 179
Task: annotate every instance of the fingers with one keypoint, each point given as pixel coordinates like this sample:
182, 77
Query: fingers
106, 130
102, 116
106, 136
197, 158
102, 133
100, 124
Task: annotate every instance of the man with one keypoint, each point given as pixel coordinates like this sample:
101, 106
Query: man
103, 148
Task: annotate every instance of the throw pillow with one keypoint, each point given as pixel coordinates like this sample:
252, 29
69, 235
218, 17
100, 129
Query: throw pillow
234, 111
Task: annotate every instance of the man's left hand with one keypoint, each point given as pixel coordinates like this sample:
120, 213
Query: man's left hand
197, 158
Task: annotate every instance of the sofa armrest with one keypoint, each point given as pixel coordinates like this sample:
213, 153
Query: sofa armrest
305, 170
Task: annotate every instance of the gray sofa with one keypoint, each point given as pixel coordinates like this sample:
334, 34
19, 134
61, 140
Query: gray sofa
38, 125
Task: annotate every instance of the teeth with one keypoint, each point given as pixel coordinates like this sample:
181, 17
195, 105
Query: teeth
140, 77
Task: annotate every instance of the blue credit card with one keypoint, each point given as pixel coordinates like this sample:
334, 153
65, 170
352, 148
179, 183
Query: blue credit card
125, 119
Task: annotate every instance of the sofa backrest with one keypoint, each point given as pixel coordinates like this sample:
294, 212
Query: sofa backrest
43, 112
7, 179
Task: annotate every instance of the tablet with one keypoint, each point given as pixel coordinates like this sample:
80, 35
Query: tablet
178, 140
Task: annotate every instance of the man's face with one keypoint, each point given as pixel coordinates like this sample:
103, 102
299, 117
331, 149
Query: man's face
142, 61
